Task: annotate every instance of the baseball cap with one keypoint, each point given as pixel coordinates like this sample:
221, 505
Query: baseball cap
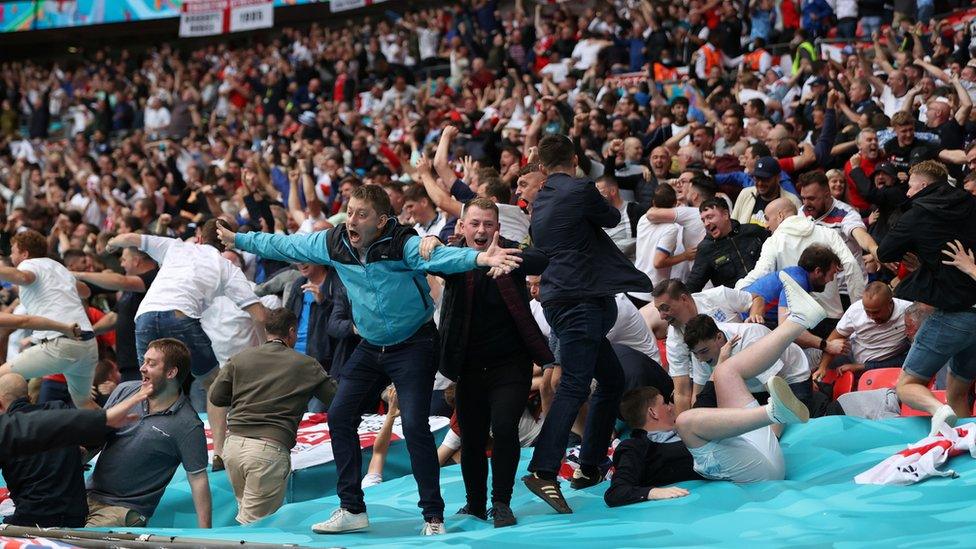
766, 166
888, 168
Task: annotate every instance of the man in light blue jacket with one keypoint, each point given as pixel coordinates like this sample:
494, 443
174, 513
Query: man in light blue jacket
380, 264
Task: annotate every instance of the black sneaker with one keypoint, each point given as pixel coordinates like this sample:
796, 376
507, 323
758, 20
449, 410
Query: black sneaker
477, 514
548, 491
502, 515
218, 464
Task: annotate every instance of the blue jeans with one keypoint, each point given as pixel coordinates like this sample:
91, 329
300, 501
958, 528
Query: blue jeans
945, 335
411, 366
586, 354
158, 324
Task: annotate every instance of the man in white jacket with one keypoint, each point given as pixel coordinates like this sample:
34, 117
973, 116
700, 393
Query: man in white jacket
792, 234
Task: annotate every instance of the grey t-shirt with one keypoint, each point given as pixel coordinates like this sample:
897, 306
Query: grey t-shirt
139, 460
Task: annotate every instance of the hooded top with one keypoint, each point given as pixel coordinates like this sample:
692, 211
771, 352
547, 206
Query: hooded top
937, 215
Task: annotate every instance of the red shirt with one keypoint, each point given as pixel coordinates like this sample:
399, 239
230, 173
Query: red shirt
854, 198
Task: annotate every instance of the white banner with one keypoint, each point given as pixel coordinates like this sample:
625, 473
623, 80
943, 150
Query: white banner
251, 14
346, 5
210, 17
314, 444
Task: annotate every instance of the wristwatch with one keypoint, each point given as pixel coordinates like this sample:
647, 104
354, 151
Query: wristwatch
823, 344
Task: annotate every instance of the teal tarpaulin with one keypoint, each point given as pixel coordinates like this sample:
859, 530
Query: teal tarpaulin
819, 505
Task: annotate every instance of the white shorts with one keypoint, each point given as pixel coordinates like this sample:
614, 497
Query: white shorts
62, 355
751, 457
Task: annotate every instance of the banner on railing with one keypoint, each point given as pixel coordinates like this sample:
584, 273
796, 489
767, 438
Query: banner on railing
210, 17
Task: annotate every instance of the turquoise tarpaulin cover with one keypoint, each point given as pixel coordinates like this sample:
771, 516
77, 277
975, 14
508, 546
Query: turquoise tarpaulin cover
819, 505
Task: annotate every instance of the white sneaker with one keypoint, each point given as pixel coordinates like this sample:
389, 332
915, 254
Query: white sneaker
943, 416
804, 310
433, 528
783, 406
342, 521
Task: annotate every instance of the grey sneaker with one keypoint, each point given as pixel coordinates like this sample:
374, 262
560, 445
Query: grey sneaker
433, 527
342, 521
784, 407
804, 310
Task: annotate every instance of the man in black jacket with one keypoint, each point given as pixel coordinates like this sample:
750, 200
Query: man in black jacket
937, 213
883, 190
489, 342
729, 251
47, 488
654, 455
586, 270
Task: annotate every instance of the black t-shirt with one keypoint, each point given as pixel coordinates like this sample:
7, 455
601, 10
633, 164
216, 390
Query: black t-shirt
492, 334
950, 134
125, 326
904, 157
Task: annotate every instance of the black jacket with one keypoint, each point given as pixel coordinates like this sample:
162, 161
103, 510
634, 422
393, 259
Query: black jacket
454, 306
640, 465
726, 260
341, 330
48, 488
568, 217
319, 345
23, 434
938, 214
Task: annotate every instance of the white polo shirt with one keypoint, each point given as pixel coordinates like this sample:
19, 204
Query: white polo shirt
631, 330
870, 340
230, 329
651, 238
190, 277
53, 295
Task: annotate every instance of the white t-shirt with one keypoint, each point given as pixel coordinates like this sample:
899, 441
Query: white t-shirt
540, 317
631, 330
870, 340
692, 234
53, 295
843, 218
889, 103
586, 51
651, 238
620, 234
513, 222
230, 329
156, 119
722, 304
792, 365
190, 277
434, 228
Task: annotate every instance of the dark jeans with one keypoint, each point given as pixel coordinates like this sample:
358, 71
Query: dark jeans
411, 366
439, 406
157, 324
494, 398
586, 354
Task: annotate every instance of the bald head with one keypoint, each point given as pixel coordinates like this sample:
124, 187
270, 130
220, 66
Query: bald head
12, 387
878, 302
778, 210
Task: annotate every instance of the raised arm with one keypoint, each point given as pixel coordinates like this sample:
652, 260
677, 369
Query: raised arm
965, 102
296, 248
442, 156
440, 197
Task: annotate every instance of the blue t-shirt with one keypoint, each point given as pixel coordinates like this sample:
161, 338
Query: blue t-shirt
770, 289
302, 343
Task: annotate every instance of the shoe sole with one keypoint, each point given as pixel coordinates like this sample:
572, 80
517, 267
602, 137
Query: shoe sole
796, 289
780, 390
537, 490
346, 531
575, 486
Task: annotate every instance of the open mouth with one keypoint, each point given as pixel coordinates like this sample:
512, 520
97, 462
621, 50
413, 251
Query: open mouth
353, 235
481, 241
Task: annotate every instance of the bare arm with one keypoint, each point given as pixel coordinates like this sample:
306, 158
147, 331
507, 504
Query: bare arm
16, 276
127, 240
106, 323
113, 281
259, 315
442, 156
440, 197
682, 394
200, 490
30, 322
965, 102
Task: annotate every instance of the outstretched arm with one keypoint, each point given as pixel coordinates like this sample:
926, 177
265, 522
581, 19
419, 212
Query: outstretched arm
30, 322
297, 248
113, 281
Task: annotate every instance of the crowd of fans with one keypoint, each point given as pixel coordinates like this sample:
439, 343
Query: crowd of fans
729, 163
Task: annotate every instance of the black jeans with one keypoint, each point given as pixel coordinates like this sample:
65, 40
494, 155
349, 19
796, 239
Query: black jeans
491, 397
411, 366
586, 354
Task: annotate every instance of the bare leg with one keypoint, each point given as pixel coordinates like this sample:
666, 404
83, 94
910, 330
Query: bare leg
914, 391
700, 425
957, 395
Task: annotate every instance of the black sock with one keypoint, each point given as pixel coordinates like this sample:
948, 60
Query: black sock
546, 475
589, 471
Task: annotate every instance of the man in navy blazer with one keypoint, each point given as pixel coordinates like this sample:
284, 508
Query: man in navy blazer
586, 270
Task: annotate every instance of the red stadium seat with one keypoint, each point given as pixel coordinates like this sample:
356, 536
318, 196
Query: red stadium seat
907, 411
879, 378
843, 384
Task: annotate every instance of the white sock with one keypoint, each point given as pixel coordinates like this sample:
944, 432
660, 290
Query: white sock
769, 413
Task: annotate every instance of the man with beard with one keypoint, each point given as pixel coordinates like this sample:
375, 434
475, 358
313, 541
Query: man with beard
137, 462
752, 201
729, 250
489, 342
